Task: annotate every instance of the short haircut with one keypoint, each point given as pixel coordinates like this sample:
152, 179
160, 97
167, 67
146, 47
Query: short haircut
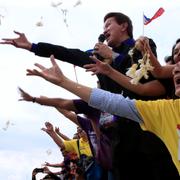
121, 18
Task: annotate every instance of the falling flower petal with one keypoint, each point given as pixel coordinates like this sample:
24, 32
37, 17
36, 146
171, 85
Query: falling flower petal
77, 3
40, 23
55, 5
48, 152
7, 124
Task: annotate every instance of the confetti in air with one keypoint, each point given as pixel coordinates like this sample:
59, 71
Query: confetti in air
48, 152
40, 23
7, 125
3, 13
64, 9
77, 3
55, 5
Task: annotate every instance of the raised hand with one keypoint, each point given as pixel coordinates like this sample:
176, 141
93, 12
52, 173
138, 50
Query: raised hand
49, 128
99, 67
142, 44
19, 42
52, 74
57, 130
103, 50
24, 95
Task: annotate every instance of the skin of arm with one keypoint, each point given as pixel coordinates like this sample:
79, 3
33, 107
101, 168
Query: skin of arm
69, 114
43, 100
159, 71
63, 136
50, 131
54, 164
47, 170
64, 106
55, 76
152, 88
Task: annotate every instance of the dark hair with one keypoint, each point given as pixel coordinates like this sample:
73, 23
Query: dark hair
168, 59
121, 18
172, 53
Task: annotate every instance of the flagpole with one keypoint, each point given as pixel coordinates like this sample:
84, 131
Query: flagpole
143, 24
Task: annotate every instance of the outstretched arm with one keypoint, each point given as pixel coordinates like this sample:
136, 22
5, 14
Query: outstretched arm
50, 131
125, 107
54, 164
63, 136
159, 71
152, 88
59, 103
69, 114
72, 56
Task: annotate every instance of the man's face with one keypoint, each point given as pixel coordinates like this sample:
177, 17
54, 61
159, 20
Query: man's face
176, 73
114, 32
176, 53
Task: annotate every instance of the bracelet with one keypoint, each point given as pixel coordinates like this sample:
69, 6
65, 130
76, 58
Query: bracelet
34, 99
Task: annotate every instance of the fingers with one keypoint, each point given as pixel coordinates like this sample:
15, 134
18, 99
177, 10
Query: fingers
88, 66
53, 60
43, 129
19, 89
18, 33
34, 72
95, 59
40, 66
7, 41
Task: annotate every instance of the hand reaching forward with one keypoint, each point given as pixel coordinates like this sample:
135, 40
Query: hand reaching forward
20, 42
99, 67
142, 44
52, 74
49, 128
57, 130
24, 95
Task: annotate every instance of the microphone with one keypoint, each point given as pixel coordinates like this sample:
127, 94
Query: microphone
101, 39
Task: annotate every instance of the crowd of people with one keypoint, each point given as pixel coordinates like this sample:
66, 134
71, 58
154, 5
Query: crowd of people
125, 131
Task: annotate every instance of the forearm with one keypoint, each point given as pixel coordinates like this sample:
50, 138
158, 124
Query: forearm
73, 56
63, 136
103, 100
56, 102
57, 140
69, 114
124, 81
151, 88
160, 71
79, 90
55, 165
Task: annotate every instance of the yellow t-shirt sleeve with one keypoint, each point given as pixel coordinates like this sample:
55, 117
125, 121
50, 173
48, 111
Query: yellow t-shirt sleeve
151, 115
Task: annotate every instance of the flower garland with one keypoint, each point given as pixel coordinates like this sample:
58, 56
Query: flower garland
144, 66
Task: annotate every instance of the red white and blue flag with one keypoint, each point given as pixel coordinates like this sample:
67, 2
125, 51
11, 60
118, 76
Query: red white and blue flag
147, 20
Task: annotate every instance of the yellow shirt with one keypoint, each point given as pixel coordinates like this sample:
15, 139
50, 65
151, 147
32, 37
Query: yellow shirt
162, 117
83, 147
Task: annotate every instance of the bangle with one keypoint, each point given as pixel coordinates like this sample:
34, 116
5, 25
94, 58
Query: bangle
34, 99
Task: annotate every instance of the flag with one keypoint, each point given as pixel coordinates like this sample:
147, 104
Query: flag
147, 20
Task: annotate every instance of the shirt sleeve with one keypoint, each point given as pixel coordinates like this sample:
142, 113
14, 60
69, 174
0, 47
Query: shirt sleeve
115, 104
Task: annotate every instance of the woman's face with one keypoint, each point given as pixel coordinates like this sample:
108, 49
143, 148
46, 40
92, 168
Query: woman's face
176, 53
176, 73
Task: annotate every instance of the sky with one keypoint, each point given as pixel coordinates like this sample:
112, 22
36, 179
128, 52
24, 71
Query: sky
74, 24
